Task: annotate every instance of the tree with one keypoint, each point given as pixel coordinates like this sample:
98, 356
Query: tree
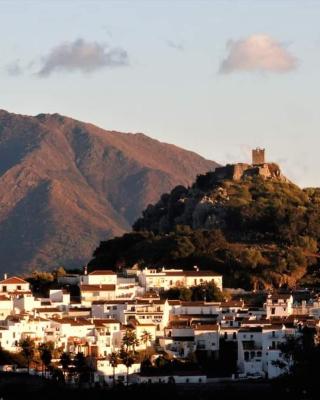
130, 340
146, 338
127, 358
45, 350
80, 365
127, 352
27, 349
65, 361
114, 360
300, 363
178, 293
60, 271
208, 291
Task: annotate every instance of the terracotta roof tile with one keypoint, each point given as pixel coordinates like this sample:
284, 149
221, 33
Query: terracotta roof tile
13, 281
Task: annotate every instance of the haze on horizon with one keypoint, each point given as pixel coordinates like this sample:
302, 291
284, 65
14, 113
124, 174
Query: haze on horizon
215, 77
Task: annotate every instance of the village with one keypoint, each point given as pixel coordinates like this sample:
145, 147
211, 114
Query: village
127, 331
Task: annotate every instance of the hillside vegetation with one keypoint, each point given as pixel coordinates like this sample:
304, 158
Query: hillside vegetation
258, 233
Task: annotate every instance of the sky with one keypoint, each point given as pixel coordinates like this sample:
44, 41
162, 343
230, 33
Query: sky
214, 77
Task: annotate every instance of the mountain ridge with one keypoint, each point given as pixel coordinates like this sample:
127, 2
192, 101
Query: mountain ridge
88, 183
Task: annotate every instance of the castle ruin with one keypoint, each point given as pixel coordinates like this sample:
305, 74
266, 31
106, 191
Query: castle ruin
258, 167
258, 156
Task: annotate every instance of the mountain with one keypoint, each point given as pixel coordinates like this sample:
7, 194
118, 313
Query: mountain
247, 222
65, 185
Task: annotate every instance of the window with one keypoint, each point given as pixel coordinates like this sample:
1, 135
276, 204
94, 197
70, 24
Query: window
4, 288
273, 310
19, 287
234, 335
225, 335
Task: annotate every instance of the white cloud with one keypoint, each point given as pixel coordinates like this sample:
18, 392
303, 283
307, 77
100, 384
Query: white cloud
258, 52
83, 56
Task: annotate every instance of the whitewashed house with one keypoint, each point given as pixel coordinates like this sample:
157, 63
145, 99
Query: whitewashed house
90, 293
6, 306
259, 351
99, 277
152, 279
104, 373
14, 285
59, 297
279, 305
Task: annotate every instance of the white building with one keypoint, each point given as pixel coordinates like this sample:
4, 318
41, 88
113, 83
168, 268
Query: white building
259, 348
90, 293
279, 305
99, 277
14, 285
181, 377
152, 279
105, 372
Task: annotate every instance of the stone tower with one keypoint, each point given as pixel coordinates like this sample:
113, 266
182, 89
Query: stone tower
258, 156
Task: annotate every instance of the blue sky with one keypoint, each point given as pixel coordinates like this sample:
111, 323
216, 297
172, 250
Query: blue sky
215, 77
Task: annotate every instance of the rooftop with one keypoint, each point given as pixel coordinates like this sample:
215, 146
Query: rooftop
13, 280
102, 272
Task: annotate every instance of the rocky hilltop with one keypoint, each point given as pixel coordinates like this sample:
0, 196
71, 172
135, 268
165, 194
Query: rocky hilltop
247, 222
204, 205
65, 185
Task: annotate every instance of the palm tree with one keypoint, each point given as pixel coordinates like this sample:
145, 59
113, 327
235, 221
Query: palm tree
28, 349
45, 350
146, 338
65, 361
80, 364
114, 360
128, 360
130, 340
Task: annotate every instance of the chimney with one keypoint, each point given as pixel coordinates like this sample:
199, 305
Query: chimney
85, 270
5, 276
